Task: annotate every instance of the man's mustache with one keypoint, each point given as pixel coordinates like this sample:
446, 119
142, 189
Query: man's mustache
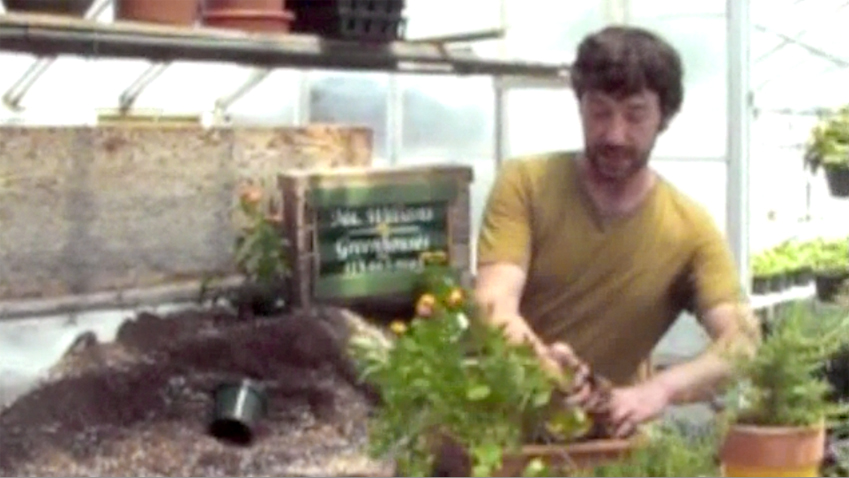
613, 150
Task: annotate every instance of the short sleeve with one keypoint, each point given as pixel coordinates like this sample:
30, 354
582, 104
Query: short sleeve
716, 277
505, 232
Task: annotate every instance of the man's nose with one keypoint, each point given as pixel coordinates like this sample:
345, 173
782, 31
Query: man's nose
616, 131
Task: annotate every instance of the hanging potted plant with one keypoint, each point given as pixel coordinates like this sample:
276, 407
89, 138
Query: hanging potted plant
829, 148
458, 399
778, 424
831, 267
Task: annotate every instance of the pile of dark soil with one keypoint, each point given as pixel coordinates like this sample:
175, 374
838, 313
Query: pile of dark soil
141, 406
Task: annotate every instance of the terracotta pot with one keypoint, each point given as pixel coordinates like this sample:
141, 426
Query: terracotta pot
264, 5
76, 8
172, 12
250, 20
773, 451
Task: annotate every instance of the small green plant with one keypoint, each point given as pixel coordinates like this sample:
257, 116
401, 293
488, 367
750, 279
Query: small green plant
260, 252
830, 255
451, 377
829, 142
768, 263
781, 384
671, 450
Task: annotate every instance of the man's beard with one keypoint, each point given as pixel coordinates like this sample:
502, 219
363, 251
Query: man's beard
616, 164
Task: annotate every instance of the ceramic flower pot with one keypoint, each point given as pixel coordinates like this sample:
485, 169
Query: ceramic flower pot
773, 451
264, 5
238, 407
172, 12
75, 8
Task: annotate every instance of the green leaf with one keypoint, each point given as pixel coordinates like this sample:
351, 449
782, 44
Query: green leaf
541, 398
478, 392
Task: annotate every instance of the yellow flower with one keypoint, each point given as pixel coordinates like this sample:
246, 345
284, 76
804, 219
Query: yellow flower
456, 298
425, 305
398, 327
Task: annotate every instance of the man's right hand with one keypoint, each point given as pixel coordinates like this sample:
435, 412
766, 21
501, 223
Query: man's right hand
582, 392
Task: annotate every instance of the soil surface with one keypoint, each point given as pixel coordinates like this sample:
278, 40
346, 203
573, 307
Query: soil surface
141, 406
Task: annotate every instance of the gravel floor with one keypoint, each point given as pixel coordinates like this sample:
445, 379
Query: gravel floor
140, 406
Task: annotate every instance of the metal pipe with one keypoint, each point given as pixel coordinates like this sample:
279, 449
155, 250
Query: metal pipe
257, 76
490, 34
131, 94
739, 116
295, 52
15, 94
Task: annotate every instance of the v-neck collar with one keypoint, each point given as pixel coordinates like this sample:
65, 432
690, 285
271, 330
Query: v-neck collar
602, 223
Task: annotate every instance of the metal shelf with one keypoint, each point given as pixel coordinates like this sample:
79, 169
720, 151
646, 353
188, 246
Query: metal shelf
44, 35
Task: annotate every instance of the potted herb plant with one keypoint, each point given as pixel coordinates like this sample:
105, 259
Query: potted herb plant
802, 254
260, 252
829, 148
777, 426
458, 399
831, 267
672, 449
762, 272
769, 272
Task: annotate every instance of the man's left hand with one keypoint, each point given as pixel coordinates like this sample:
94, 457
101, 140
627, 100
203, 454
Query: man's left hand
632, 406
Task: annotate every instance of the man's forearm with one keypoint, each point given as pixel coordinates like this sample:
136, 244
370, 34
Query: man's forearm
702, 378
697, 380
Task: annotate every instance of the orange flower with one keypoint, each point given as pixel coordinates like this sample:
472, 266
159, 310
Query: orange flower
456, 298
251, 195
425, 305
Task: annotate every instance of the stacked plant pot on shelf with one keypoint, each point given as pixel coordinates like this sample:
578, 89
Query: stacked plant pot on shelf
246, 15
356, 20
270, 16
73, 8
172, 12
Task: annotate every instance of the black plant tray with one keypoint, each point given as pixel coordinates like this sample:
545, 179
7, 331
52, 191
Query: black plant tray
354, 26
389, 7
365, 20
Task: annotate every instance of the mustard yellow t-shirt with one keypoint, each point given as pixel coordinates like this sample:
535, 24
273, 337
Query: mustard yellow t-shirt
610, 290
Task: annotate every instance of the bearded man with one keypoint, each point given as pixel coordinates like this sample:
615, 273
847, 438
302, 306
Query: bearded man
591, 256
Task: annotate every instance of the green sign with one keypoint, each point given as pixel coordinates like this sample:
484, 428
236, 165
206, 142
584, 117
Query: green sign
370, 239
373, 250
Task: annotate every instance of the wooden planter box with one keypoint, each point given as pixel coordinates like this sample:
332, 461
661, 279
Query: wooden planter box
357, 234
576, 457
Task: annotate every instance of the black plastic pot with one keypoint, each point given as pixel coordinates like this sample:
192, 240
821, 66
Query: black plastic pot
837, 178
760, 285
76, 8
828, 284
803, 276
778, 283
238, 407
